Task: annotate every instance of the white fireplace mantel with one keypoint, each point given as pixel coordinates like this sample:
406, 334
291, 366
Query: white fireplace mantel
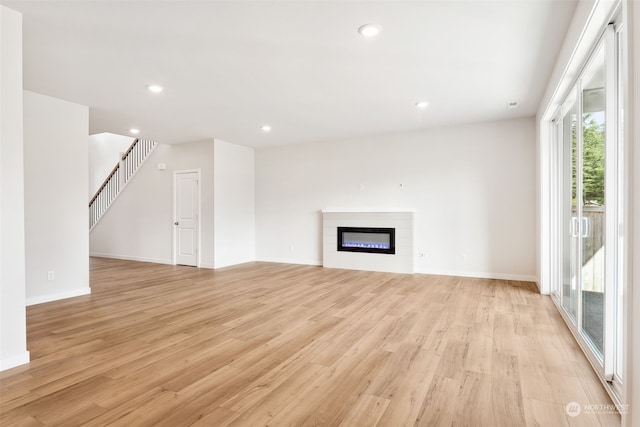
399, 218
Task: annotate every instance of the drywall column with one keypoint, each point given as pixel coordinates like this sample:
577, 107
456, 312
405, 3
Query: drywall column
234, 204
56, 171
13, 328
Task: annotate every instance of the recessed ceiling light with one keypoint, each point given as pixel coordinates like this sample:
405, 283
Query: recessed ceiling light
369, 30
266, 128
134, 131
422, 104
155, 88
512, 105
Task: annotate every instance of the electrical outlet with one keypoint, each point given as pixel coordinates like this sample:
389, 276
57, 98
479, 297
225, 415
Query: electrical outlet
463, 256
51, 275
290, 248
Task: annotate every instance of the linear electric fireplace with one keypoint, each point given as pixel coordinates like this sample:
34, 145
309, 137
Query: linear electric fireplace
369, 239
348, 251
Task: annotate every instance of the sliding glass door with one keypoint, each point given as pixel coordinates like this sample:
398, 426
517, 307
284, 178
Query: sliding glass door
568, 207
591, 203
587, 131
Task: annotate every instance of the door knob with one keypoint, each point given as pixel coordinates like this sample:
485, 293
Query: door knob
175, 223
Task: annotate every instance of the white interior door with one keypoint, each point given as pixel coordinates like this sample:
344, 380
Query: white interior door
186, 224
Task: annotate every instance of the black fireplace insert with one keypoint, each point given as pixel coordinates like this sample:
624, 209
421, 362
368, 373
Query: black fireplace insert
367, 239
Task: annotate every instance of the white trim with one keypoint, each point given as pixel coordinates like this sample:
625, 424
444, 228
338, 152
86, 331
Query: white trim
13, 361
55, 297
546, 194
207, 265
483, 275
199, 234
132, 258
290, 261
611, 147
238, 264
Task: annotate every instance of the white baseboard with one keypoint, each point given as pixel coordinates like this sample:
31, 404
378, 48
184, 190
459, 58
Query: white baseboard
290, 261
145, 259
482, 275
232, 263
537, 282
55, 297
132, 258
13, 361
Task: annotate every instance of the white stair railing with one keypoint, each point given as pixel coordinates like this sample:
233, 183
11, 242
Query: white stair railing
119, 177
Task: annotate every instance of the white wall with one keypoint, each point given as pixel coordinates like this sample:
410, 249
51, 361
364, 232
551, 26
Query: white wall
104, 154
472, 186
13, 333
56, 212
139, 224
234, 204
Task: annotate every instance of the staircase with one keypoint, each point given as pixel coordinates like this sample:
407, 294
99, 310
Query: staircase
119, 177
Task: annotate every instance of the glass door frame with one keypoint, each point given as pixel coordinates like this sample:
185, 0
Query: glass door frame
608, 365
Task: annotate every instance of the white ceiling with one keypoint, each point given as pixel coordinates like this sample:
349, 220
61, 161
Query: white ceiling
300, 66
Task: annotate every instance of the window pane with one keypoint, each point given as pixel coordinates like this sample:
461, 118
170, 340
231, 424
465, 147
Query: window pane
592, 200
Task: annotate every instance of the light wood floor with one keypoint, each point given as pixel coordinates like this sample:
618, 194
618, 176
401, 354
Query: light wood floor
283, 345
